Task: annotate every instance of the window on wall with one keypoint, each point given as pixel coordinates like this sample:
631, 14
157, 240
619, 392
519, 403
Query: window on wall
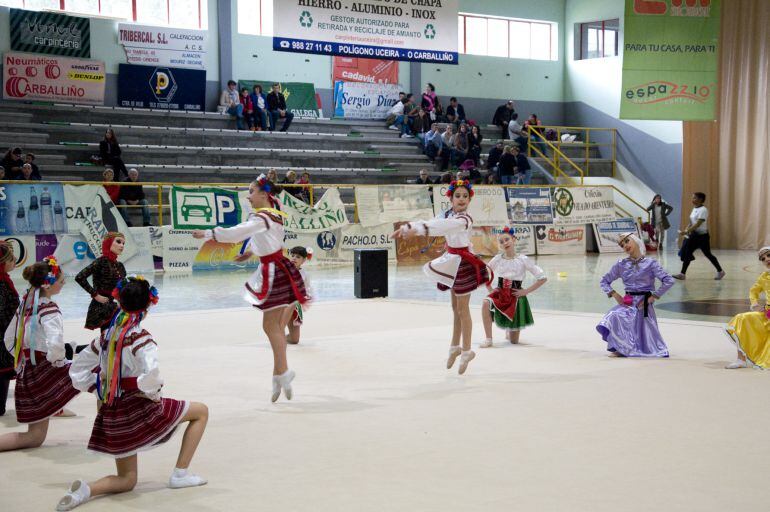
597, 39
507, 37
255, 17
174, 13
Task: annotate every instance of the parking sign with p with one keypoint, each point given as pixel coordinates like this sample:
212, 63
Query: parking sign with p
204, 208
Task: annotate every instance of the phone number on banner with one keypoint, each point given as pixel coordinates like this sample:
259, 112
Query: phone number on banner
284, 44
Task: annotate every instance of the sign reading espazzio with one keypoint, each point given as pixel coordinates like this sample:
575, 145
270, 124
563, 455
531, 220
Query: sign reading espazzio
161, 87
410, 30
204, 207
50, 33
583, 205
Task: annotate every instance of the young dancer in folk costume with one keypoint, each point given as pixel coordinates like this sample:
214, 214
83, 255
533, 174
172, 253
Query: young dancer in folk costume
121, 367
293, 316
106, 271
508, 305
35, 337
9, 302
631, 328
277, 284
751, 331
458, 269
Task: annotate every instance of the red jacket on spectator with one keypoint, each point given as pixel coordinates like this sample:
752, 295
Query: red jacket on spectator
248, 106
113, 191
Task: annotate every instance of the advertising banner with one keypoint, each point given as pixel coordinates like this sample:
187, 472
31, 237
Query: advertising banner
356, 236
393, 203
300, 96
583, 205
670, 59
32, 209
74, 254
560, 239
327, 214
24, 248
424, 31
50, 33
30, 77
370, 71
204, 207
418, 249
364, 101
531, 205
161, 88
183, 253
326, 245
608, 233
487, 208
103, 217
163, 46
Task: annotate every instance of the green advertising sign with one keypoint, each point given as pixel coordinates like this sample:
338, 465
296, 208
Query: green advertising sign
50, 33
300, 96
670, 60
204, 207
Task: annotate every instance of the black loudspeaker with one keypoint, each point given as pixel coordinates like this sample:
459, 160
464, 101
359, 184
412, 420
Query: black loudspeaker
371, 273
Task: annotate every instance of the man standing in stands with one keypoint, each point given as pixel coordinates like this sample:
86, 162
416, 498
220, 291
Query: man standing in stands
133, 195
696, 236
503, 116
231, 102
522, 167
276, 107
455, 112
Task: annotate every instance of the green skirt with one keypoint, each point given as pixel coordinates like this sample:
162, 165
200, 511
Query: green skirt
522, 318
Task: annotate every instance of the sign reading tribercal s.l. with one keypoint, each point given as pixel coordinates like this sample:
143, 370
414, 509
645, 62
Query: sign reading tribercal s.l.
670, 59
163, 46
410, 30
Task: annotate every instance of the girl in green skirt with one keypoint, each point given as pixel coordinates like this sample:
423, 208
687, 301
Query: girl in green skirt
507, 305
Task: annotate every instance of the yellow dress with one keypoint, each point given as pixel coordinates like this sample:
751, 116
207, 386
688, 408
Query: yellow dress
751, 331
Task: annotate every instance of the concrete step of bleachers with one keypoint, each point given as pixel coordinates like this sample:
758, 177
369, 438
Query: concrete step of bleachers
597, 167
22, 137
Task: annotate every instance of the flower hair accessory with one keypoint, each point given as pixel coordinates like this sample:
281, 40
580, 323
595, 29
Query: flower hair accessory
507, 230
309, 251
264, 184
54, 273
153, 293
460, 183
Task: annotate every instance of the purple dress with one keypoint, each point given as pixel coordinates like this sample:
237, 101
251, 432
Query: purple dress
631, 331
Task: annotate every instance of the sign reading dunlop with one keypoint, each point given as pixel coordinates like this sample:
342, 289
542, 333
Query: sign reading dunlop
50, 33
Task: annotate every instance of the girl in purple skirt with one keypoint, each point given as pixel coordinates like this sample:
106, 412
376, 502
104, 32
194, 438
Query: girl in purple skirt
631, 328
121, 367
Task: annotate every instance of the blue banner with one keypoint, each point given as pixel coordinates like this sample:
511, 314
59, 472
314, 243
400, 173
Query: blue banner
161, 87
531, 205
32, 209
285, 44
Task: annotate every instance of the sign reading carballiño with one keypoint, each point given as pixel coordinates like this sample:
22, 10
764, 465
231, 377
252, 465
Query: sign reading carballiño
670, 59
30, 77
50, 33
410, 30
163, 46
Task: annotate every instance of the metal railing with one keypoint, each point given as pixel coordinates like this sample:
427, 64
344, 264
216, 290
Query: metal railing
590, 140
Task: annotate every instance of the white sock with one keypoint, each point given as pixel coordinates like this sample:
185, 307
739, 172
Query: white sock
179, 473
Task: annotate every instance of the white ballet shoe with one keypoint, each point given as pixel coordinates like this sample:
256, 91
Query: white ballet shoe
739, 363
466, 358
182, 478
285, 381
454, 353
486, 343
276, 388
78, 494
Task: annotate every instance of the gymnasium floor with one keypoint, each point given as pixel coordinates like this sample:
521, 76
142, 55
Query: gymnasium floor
378, 423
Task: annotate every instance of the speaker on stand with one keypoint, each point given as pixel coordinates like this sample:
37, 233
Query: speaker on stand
371, 273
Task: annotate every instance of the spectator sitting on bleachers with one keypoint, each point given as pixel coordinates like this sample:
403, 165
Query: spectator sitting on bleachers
522, 168
445, 179
259, 102
398, 117
109, 152
2, 172
291, 179
305, 191
248, 108
133, 195
113, 191
12, 163
468, 167
474, 144
29, 158
503, 116
423, 178
26, 174
421, 125
494, 156
447, 143
490, 178
505, 167
230, 103
537, 134
432, 142
460, 145
516, 131
455, 112
276, 108
272, 176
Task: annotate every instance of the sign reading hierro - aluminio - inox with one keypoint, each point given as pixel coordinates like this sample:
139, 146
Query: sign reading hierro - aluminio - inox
411, 30
50, 33
163, 46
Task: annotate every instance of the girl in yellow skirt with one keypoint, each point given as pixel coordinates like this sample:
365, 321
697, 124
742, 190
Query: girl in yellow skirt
751, 331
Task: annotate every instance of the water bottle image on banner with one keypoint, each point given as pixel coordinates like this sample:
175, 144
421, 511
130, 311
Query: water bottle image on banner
37, 209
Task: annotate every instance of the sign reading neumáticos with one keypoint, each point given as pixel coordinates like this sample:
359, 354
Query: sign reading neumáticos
48, 78
670, 58
50, 33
